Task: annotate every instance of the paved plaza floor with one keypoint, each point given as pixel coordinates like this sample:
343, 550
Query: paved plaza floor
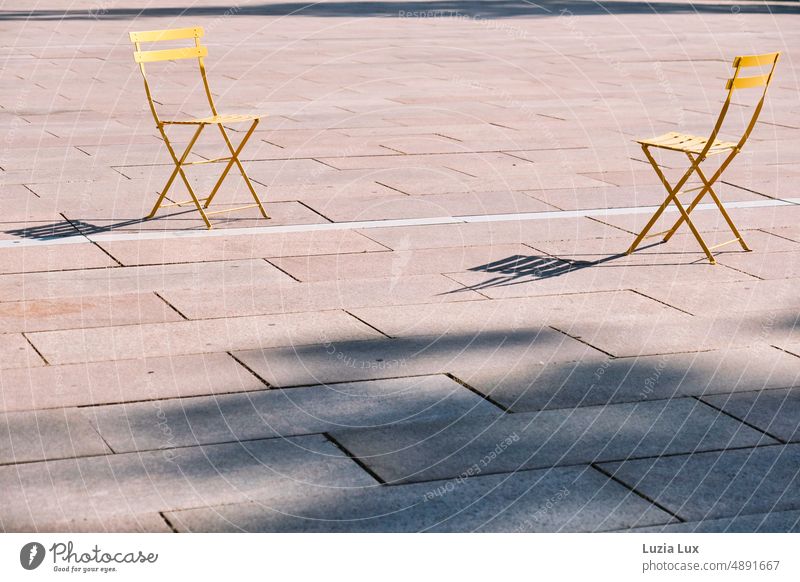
438, 329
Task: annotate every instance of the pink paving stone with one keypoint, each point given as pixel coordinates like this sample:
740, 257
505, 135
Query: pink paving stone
84, 312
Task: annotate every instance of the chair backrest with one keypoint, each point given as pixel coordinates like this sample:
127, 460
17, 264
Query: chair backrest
738, 82
198, 51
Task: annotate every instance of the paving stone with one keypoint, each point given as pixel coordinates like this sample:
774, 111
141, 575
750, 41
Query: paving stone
460, 204
711, 298
103, 282
214, 248
16, 352
778, 522
30, 259
140, 523
712, 485
197, 337
234, 300
271, 413
126, 484
123, 381
772, 411
533, 274
394, 263
524, 387
50, 434
766, 266
696, 334
517, 314
440, 450
84, 312
563, 499
343, 361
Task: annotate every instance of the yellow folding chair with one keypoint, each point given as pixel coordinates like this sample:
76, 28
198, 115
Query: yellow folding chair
197, 51
697, 149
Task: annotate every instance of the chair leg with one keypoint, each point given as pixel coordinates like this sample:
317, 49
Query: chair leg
695, 232
178, 169
671, 196
722, 210
235, 160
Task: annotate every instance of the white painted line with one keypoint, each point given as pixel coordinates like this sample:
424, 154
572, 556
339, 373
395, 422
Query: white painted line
367, 224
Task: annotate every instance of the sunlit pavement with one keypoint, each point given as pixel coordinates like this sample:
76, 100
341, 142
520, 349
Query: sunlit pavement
438, 329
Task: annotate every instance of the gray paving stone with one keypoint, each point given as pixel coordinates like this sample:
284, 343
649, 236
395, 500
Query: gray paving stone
439, 449
589, 382
47, 434
344, 361
773, 411
712, 485
126, 484
271, 413
563, 499
778, 522
134, 523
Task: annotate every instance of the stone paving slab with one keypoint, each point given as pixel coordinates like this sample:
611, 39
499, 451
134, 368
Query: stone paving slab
549, 500
61, 386
197, 337
534, 273
777, 522
518, 314
274, 413
118, 281
712, 485
134, 523
772, 266
440, 450
84, 312
294, 297
147, 252
772, 411
527, 387
32, 259
16, 352
710, 298
176, 479
47, 434
695, 334
344, 361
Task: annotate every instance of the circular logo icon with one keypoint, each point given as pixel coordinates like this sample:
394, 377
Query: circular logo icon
31, 555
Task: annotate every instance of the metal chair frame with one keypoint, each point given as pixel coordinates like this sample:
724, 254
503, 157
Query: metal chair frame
697, 149
198, 51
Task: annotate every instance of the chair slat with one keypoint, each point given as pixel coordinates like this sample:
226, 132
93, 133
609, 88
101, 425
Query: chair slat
747, 82
167, 34
755, 60
170, 54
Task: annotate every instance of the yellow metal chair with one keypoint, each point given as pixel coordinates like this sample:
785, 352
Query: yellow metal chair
197, 51
697, 149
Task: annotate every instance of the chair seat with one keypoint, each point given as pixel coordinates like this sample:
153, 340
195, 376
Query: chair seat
683, 142
214, 119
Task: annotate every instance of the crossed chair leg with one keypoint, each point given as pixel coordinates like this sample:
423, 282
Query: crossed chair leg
672, 196
181, 162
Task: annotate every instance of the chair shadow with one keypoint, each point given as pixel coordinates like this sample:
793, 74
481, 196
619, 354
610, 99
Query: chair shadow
519, 269
70, 228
